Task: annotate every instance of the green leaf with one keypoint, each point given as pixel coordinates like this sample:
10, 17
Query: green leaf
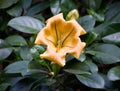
86, 67
87, 22
91, 80
43, 85
17, 67
104, 58
113, 13
92, 66
16, 40
14, 80
39, 87
23, 85
36, 50
113, 38
16, 10
78, 66
38, 8
82, 57
98, 16
107, 28
55, 6
5, 52
26, 3
4, 86
55, 69
92, 4
40, 17
69, 57
3, 44
112, 21
35, 66
25, 53
90, 37
26, 24
105, 53
7, 3
67, 5
77, 72
114, 73
81, 67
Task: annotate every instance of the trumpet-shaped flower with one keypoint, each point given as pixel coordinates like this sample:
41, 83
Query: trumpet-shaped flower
60, 37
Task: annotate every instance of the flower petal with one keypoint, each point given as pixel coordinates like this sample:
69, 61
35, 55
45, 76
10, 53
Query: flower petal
49, 54
78, 27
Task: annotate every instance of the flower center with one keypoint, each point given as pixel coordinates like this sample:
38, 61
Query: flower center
59, 45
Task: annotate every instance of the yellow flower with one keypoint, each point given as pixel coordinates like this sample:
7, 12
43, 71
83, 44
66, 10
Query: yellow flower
60, 37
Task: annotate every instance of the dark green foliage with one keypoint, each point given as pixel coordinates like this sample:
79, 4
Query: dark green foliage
97, 68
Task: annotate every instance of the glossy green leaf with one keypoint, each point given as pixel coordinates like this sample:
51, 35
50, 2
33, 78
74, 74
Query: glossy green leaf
90, 37
26, 24
36, 67
82, 57
69, 57
39, 87
39, 48
17, 67
16, 10
103, 58
55, 6
77, 72
14, 80
87, 22
105, 53
4, 86
92, 4
107, 28
113, 13
114, 73
36, 50
7, 3
26, 3
25, 53
23, 85
37, 8
3, 44
113, 38
112, 21
37, 64
92, 66
40, 17
55, 69
16, 40
98, 16
81, 67
91, 80
5, 52
5, 49
67, 5
43, 85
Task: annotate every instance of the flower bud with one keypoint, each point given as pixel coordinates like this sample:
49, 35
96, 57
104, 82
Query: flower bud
73, 14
